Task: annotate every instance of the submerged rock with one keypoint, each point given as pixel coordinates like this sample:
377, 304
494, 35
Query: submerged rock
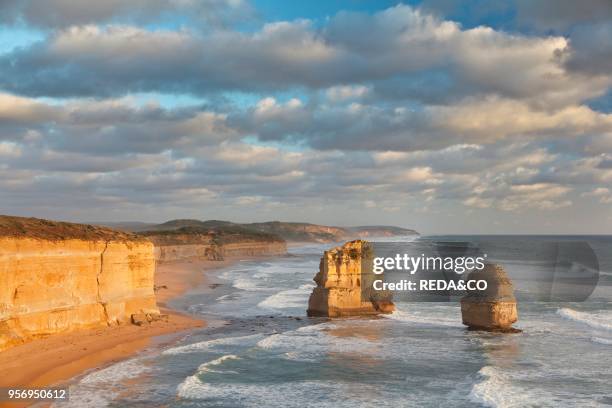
339, 290
493, 309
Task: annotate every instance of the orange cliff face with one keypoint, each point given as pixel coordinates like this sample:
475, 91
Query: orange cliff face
57, 277
339, 285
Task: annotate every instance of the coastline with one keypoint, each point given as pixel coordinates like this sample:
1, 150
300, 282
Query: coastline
58, 358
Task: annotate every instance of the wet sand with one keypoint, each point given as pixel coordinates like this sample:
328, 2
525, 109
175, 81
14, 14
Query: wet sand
58, 358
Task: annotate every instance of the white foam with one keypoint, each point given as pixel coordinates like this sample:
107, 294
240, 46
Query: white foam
309, 343
487, 391
216, 362
425, 320
214, 344
292, 298
497, 389
247, 284
116, 372
602, 340
232, 273
85, 399
297, 394
317, 327
599, 321
98, 388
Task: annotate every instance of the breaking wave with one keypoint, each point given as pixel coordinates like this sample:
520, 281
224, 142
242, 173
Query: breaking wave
599, 321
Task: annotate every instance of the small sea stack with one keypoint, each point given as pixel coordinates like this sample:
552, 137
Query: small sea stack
340, 284
493, 309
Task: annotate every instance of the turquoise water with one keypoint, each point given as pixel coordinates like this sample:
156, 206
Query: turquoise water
264, 351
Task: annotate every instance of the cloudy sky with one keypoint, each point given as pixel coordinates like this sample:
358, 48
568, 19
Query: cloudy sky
446, 116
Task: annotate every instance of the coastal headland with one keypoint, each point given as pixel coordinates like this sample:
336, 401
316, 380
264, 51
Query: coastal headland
71, 293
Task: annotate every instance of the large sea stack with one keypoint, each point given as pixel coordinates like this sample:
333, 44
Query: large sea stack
493, 309
339, 284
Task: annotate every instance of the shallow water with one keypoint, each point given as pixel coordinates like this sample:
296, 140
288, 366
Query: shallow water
268, 353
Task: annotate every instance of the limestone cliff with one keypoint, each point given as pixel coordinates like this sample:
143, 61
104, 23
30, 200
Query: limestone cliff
339, 285
253, 248
212, 244
57, 277
493, 309
180, 246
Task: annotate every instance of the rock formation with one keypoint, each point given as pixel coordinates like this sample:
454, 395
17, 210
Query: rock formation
185, 244
339, 285
493, 309
57, 277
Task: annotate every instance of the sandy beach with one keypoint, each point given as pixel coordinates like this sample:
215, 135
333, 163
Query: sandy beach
58, 358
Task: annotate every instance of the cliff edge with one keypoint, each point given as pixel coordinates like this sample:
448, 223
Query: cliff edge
339, 284
213, 243
288, 231
57, 276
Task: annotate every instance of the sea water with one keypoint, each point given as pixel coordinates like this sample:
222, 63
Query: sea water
264, 351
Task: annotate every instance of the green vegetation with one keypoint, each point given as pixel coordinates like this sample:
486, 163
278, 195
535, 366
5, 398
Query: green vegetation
37, 228
264, 231
220, 234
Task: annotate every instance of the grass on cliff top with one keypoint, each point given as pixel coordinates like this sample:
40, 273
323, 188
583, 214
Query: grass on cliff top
21, 227
290, 231
222, 234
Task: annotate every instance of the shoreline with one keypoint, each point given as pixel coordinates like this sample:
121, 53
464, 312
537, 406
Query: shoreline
59, 358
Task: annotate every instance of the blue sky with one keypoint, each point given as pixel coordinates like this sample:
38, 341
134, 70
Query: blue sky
273, 10
12, 37
441, 115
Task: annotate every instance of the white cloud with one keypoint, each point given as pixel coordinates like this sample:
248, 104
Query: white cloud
346, 92
9, 149
603, 194
438, 117
540, 196
400, 42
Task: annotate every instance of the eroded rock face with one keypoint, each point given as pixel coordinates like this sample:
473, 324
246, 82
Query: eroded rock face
339, 285
180, 247
493, 309
51, 285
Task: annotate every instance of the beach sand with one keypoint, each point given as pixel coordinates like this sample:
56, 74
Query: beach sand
58, 358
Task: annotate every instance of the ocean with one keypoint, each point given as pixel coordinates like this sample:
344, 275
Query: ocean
260, 349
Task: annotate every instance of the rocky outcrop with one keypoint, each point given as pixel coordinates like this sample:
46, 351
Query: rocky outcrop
56, 277
341, 283
493, 309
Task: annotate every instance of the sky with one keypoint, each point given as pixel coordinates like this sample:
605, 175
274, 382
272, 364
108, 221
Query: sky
445, 116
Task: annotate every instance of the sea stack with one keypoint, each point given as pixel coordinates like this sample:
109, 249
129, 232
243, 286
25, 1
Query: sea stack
493, 309
339, 284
